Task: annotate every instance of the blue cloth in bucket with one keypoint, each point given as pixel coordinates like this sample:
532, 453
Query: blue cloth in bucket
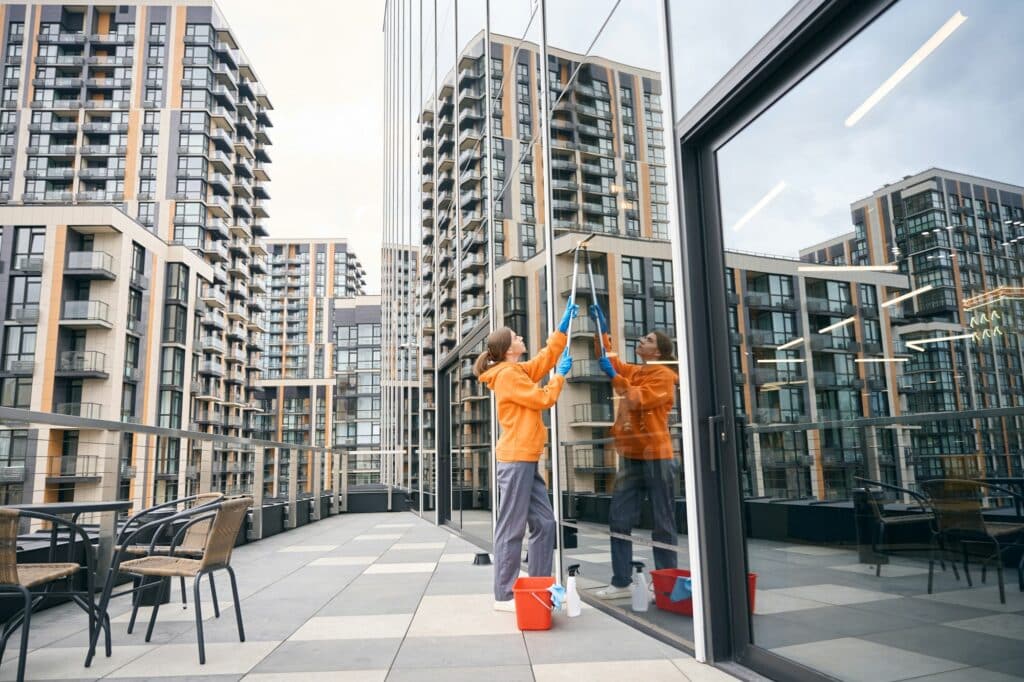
557, 596
682, 590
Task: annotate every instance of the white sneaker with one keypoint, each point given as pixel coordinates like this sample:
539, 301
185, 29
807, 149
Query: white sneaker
612, 592
509, 605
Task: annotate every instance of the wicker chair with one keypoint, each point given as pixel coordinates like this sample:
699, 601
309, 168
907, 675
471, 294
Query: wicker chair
227, 518
20, 579
191, 545
958, 511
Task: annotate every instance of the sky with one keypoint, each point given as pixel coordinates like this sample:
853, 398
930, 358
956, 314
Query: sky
324, 80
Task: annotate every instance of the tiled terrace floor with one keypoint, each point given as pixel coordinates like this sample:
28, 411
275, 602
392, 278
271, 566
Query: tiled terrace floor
356, 597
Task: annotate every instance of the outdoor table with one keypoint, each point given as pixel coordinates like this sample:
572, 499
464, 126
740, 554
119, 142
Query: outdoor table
105, 547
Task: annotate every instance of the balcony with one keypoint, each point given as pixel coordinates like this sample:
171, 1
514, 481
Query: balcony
592, 415
90, 265
86, 314
211, 368
587, 370
86, 364
32, 263
213, 297
583, 284
84, 410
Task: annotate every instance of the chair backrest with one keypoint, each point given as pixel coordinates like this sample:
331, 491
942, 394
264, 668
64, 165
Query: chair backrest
224, 531
957, 504
9, 546
195, 536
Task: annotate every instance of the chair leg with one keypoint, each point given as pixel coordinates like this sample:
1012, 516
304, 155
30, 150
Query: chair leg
139, 583
931, 570
199, 619
213, 592
984, 571
238, 604
23, 649
156, 609
104, 604
106, 633
184, 599
999, 574
967, 570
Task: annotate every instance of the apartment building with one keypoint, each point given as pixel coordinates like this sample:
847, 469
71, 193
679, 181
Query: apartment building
153, 108
400, 362
100, 321
298, 385
958, 239
359, 417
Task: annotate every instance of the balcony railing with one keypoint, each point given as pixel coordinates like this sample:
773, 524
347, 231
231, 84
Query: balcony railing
95, 263
82, 362
85, 410
584, 413
87, 311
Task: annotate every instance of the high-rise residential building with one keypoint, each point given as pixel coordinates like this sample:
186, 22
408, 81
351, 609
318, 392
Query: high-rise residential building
297, 389
358, 400
399, 381
100, 322
957, 238
155, 109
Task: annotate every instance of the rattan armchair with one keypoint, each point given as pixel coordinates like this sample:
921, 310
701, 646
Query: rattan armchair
20, 579
226, 519
191, 545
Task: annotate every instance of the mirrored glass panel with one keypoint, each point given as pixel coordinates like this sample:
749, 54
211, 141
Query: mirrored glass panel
872, 221
612, 207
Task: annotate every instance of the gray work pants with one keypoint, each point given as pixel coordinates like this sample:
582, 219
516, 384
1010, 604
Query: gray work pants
634, 477
522, 500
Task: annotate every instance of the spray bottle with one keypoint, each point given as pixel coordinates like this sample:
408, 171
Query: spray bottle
573, 606
640, 594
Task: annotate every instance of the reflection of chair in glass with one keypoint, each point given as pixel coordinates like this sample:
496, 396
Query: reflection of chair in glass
20, 579
960, 523
886, 521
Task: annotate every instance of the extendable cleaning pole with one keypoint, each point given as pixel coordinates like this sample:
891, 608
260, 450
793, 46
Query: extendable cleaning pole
593, 299
575, 269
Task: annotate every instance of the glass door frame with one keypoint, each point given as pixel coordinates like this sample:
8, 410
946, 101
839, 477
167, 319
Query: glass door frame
806, 37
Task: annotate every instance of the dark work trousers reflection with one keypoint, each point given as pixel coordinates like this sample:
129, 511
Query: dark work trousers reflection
635, 477
523, 502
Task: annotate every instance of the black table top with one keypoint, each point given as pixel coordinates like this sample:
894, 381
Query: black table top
73, 507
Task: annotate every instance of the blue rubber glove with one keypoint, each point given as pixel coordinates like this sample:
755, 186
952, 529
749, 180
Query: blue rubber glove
564, 364
682, 590
599, 319
606, 367
571, 311
557, 596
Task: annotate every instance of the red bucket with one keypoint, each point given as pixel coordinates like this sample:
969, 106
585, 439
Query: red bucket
664, 580
533, 602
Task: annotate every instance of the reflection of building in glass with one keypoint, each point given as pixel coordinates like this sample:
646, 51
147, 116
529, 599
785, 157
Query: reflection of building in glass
608, 177
102, 321
306, 276
399, 382
810, 347
958, 236
357, 405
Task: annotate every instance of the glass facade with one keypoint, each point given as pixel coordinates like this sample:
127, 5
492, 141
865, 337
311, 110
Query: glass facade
843, 432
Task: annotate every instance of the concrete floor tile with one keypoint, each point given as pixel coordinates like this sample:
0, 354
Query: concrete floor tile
382, 569
353, 627
365, 560
304, 549
465, 651
461, 615
174, 660
57, 663
503, 673
417, 545
609, 671
330, 655
377, 536
331, 676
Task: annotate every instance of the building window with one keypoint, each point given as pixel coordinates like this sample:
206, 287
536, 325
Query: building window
515, 304
16, 392
19, 345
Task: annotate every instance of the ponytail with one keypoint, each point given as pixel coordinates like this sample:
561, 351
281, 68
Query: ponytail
498, 343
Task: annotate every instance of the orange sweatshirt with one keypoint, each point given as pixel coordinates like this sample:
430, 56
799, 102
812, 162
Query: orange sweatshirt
521, 400
648, 394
